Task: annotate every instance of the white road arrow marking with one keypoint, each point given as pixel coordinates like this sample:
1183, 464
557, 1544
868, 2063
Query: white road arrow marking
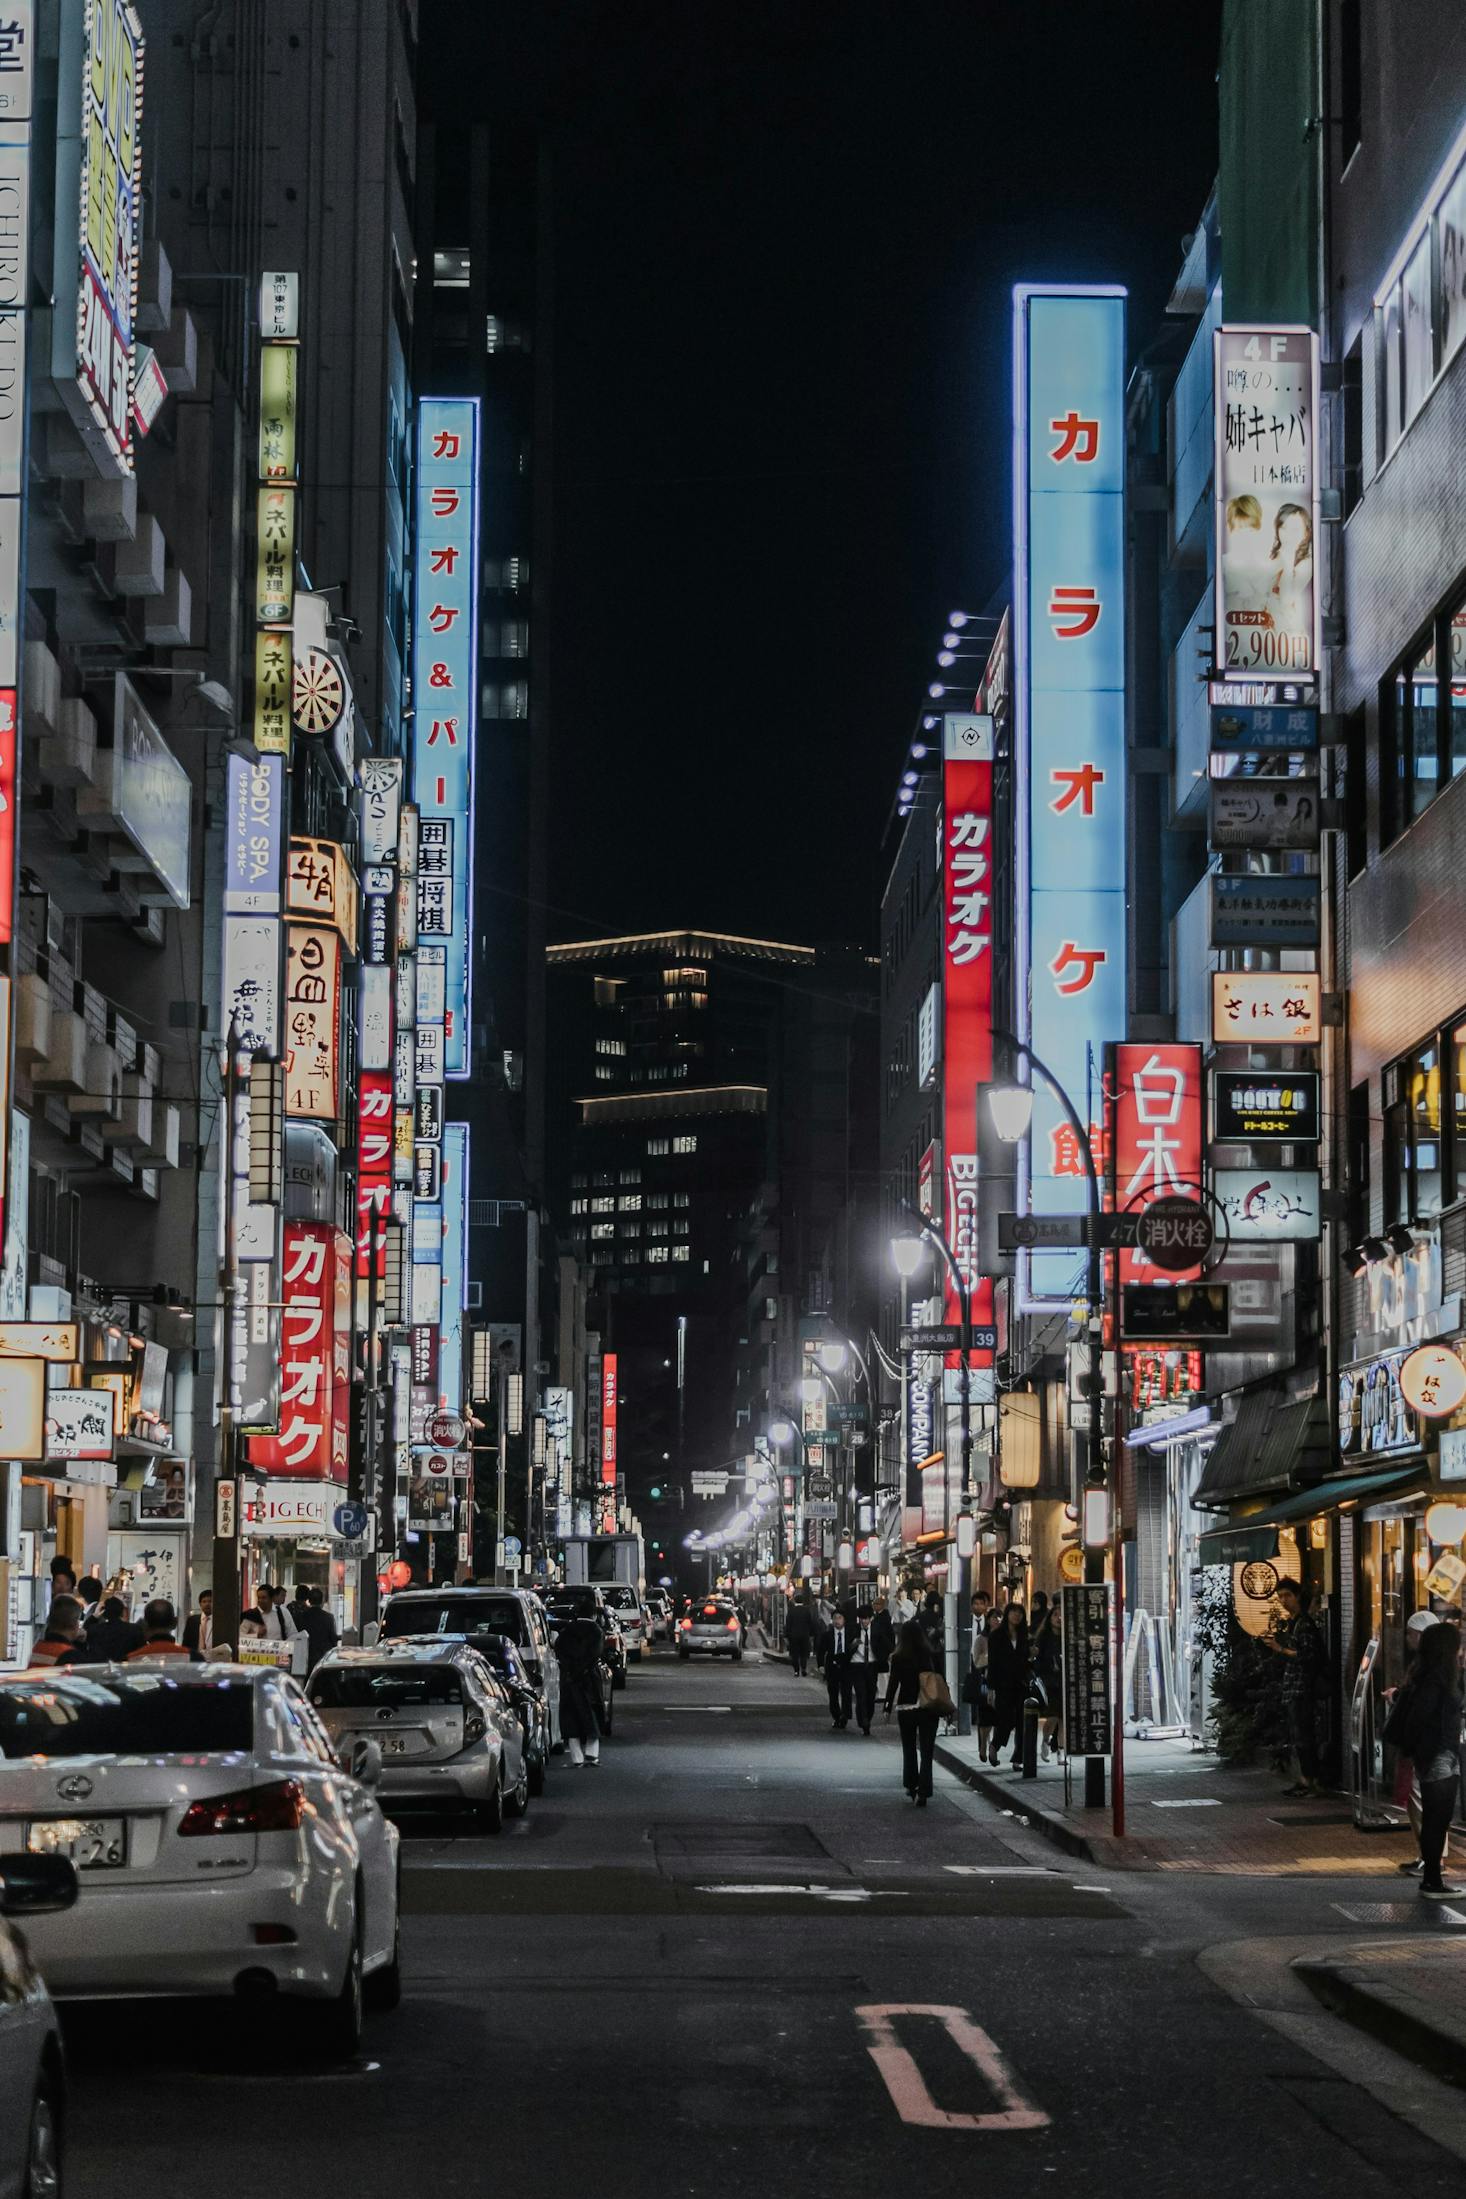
907, 2087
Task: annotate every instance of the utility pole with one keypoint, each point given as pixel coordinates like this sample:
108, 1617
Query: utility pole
226, 1472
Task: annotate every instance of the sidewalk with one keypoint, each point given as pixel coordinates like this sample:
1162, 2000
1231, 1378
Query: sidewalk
1184, 1811
1411, 1994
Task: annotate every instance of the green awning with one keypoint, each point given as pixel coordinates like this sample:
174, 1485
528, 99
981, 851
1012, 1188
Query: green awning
1256, 1535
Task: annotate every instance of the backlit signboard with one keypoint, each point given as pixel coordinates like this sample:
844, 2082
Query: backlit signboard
1266, 603
1269, 1206
152, 794
23, 1409
1256, 910
608, 1419
251, 987
312, 1022
1069, 721
1266, 1008
454, 1176
272, 719
80, 1424
315, 1353
274, 555
445, 671
1247, 1104
254, 817
319, 884
111, 168
279, 375
379, 806
966, 990
1156, 1146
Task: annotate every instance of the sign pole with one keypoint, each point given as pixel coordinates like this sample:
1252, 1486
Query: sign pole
1117, 1531
226, 1514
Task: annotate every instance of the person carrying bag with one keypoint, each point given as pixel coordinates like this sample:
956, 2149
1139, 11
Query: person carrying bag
920, 1693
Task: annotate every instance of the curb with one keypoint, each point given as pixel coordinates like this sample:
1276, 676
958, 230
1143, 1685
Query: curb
1011, 1796
1387, 2014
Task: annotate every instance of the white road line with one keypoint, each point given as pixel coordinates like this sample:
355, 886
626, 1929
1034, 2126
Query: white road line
907, 2087
1000, 1870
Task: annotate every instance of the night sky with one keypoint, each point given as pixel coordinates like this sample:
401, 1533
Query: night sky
785, 238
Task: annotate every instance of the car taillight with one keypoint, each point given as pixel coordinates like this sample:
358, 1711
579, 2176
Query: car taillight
474, 1727
732, 1626
685, 1625
277, 1808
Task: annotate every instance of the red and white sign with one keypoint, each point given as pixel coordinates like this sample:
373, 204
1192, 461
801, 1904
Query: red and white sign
374, 1148
608, 1420
967, 992
315, 1358
1156, 1145
7, 811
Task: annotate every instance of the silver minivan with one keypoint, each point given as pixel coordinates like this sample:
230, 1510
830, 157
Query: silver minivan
449, 1734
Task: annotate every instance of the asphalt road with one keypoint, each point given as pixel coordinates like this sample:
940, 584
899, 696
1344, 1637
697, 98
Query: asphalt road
734, 1958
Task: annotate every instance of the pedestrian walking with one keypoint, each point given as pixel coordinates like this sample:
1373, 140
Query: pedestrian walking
314, 1621
933, 1625
1008, 1677
1407, 1779
974, 1685
159, 1621
578, 1647
916, 1687
111, 1636
860, 1668
799, 1634
837, 1668
1426, 1723
883, 1637
1299, 1641
986, 1711
61, 1643
1048, 1673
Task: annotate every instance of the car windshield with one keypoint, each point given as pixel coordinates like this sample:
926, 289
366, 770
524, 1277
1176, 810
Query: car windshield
383, 1687
499, 1654
145, 1714
449, 1614
568, 1601
619, 1596
720, 1611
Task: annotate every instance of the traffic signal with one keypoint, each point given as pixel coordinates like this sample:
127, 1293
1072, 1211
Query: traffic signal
656, 1489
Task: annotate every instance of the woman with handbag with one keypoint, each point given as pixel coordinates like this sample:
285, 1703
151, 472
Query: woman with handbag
1008, 1675
919, 1691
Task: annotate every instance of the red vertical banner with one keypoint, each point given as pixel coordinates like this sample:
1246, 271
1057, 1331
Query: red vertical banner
7, 811
967, 993
374, 1145
338, 1313
306, 1447
1156, 1140
608, 1420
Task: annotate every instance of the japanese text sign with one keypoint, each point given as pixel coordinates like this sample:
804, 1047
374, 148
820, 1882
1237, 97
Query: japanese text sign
312, 1022
1265, 1008
111, 168
444, 678
254, 818
967, 989
1156, 1147
1267, 606
1069, 687
315, 1355
608, 1419
319, 884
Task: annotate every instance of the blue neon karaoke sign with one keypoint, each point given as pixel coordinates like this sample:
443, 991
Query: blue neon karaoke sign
455, 1262
444, 689
1069, 731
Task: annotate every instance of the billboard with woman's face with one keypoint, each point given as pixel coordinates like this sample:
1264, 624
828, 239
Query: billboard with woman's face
1266, 502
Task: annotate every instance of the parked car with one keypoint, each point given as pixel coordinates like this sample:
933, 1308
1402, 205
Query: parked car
516, 1613
529, 1702
585, 1602
32, 2070
220, 1843
659, 1612
449, 1734
631, 1615
711, 1628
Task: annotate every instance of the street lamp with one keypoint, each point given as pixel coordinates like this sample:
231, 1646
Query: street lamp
832, 1355
908, 1254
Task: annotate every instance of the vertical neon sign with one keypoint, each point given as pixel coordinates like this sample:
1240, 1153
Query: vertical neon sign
1069, 729
967, 991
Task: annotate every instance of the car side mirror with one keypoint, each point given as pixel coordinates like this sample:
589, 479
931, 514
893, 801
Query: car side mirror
363, 1762
36, 1885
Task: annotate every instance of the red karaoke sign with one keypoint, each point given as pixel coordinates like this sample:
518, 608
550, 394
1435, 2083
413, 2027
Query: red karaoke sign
967, 992
608, 1420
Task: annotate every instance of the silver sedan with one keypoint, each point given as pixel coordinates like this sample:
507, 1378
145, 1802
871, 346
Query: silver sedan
449, 1733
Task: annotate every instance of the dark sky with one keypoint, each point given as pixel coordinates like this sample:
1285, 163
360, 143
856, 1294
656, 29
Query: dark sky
785, 239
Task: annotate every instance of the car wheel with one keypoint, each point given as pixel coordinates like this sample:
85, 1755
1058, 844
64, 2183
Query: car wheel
384, 1987
537, 1777
738, 1656
620, 1679
516, 1801
684, 1654
488, 1817
340, 2034
43, 2153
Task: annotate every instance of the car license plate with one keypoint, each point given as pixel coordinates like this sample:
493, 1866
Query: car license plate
394, 1744
92, 1843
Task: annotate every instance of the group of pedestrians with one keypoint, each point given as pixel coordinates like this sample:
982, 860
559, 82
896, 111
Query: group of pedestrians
86, 1625
1015, 1660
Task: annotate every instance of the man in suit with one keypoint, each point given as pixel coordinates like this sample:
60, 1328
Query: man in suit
198, 1627
110, 1636
314, 1621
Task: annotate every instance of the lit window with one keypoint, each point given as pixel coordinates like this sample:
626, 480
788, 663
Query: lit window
656, 1229
577, 1206
610, 1045
682, 1198
604, 1075
682, 1252
631, 1175
656, 1253
656, 1198
628, 1229
684, 1145
602, 1255
603, 1206
629, 1203
771, 1309
657, 1145
450, 270
603, 1229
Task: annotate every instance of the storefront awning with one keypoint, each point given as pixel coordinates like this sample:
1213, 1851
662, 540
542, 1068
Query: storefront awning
1273, 1441
1257, 1536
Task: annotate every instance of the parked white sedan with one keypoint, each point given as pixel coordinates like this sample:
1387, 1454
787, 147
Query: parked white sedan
220, 1845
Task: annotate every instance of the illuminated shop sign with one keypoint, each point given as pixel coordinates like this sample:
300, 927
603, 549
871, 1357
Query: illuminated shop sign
1266, 602
1069, 686
445, 692
966, 992
111, 170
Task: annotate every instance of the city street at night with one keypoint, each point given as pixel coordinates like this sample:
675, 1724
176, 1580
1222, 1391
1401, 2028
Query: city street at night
672, 1974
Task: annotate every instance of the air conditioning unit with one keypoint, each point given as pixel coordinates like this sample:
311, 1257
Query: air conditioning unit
142, 564
63, 1066
100, 1100
161, 1151
168, 620
69, 754
109, 509
32, 1019
42, 687
136, 1124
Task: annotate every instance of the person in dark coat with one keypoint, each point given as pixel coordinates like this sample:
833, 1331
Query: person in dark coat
111, 1636
837, 1666
1428, 1709
917, 1720
1048, 1670
314, 1621
1301, 1644
883, 1637
1008, 1679
579, 1646
799, 1634
933, 1625
858, 1656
